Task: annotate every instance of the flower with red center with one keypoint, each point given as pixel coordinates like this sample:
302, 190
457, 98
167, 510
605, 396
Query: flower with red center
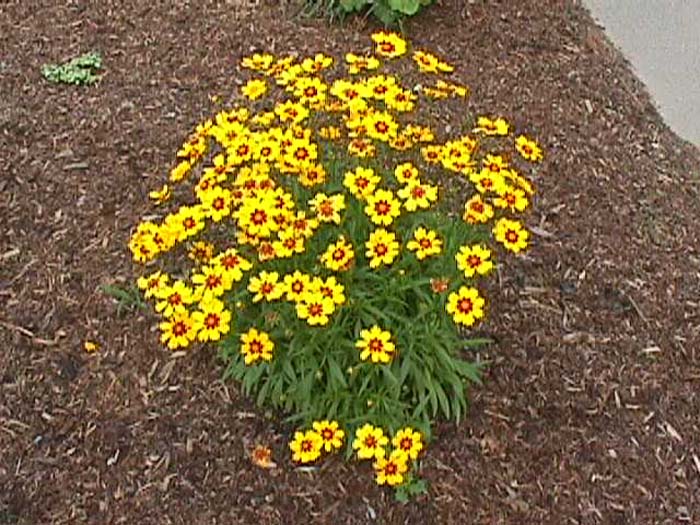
256, 346
306, 446
389, 44
391, 470
425, 243
529, 149
178, 331
418, 195
382, 248
409, 441
330, 433
474, 259
382, 207
511, 234
375, 344
370, 442
338, 256
328, 207
465, 305
266, 286
212, 320
296, 285
315, 308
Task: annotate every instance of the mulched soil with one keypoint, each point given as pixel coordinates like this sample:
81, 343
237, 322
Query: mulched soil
589, 412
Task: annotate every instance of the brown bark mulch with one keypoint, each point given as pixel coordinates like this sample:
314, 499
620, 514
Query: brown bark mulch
589, 411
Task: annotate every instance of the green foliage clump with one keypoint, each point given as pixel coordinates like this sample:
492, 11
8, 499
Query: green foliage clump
390, 12
77, 71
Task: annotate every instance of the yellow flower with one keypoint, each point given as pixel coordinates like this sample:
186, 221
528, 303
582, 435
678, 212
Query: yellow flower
173, 299
161, 195
382, 207
370, 442
329, 288
388, 44
391, 470
485, 125
328, 207
476, 211
306, 446
382, 248
180, 171
257, 61
265, 286
290, 111
375, 344
465, 305
418, 195
311, 91
359, 64
362, 148
361, 182
406, 172
216, 203
153, 283
91, 347
296, 285
474, 259
408, 441
315, 308
178, 331
338, 256
330, 433
254, 89
317, 63
233, 265
427, 62
381, 126
425, 243
528, 149
511, 234
513, 199
201, 252
256, 346
212, 320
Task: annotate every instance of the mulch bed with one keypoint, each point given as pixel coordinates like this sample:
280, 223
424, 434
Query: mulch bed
589, 411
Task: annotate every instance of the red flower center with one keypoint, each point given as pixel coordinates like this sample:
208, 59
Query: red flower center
256, 347
375, 345
382, 207
259, 217
266, 288
406, 443
418, 192
391, 469
370, 442
315, 309
175, 299
381, 249
465, 305
511, 236
339, 254
425, 243
179, 329
213, 281
307, 445
212, 321
474, 261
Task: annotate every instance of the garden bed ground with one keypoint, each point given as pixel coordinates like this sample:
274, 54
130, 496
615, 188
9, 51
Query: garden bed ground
589, 413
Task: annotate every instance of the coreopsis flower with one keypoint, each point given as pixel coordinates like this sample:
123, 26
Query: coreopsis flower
390, 470
476, 211
432, 154
255, 216
329, 288
288, 244
362, 148
180, 171
311, 91
487, 181
300, 152
233, 264
201, 252
406, 173
425, 243
439, 285
317, 63
427, 62
315, 309
296, 285
178, 331
254, 89
266, 286
261, 456
263, 119
331, 434
216, 203
511, 234
380, 86
495, 164
153, 283
360, 64
338, 256
520, 181
382, 207
497, 127
382, 248
465, 306
91, 347
258, 61
398, 99
188, 221
161, 195
510, 198
417, 195
475, 259
303, 226
419, 133
328, 207
291, 111
306, 446
375, 344
173, 298
436, 93
256, 346
361, 182
389, 44
529, 149
211, 281
212, 320
381, 126
370, 442
312, 175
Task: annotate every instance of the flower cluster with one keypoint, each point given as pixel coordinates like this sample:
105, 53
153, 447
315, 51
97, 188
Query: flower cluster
326, 259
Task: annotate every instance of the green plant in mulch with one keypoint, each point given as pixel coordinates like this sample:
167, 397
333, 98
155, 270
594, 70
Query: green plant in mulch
80, 70
338, 248
389, 12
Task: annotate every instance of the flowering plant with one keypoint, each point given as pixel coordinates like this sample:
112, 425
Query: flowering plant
329, 264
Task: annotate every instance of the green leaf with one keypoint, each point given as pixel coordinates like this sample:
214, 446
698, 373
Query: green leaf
353, 5
407, 7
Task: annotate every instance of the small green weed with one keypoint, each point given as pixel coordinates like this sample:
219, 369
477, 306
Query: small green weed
128, 298
78, 71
